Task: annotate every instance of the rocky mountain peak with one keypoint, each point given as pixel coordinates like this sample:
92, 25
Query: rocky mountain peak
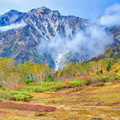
13, 12
41, 24
10, 17
56, 13
42, 10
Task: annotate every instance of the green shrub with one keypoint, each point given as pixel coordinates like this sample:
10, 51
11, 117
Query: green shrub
105, 78
60, 85
76, 83
45, 84
117, 77
50, 77
52, 89
108, 66
20, 96
34, 89
114, 78
3, 90
57, 86
4, 96
55, 74
73, 74
61, 74
28, 81
97, 73
87, 82
101, 71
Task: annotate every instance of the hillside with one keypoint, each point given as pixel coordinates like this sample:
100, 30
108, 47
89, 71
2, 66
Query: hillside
112, 51
34, 28
45, 36
97, 101
56, 66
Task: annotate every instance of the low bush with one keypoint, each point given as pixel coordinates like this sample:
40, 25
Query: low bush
52, 89
109, 78
50, 77
95, 79
67, 84
34, 89
4, 94
28, 81
76, 83
20, 96
27, 107
46, 84
105, 78
57, 86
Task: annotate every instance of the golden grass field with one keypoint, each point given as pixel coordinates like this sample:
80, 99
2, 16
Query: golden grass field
82, 103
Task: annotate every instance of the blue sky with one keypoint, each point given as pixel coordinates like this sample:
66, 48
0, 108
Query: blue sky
80, 8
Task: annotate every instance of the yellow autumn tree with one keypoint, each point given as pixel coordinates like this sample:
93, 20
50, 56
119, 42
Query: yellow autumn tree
8, 73
41, 72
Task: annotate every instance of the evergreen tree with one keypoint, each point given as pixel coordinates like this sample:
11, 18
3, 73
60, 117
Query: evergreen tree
101, 71
108, 66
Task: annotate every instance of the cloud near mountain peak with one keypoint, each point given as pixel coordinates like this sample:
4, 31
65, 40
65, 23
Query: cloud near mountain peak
12, 26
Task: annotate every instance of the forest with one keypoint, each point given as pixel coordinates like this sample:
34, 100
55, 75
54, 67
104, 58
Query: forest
27, 73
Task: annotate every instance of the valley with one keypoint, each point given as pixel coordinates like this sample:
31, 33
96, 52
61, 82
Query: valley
55, 66
81, 103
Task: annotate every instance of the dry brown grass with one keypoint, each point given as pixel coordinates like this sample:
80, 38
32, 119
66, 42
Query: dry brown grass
81, 103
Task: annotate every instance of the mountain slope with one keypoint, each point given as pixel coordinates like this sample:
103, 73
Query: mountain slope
41, 24
36, 37
10, 17
112, 51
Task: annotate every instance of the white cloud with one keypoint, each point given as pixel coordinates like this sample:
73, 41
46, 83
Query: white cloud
12, 26
87, 44
111, 17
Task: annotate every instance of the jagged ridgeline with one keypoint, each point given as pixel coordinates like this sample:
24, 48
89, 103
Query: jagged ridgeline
34, 27
45, 36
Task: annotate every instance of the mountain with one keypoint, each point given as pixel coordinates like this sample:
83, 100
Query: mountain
10, 17
113, 50
36, 36
39, 25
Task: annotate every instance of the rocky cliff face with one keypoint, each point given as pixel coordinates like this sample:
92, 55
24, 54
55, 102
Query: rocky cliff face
10, 17
40, 24
25, 36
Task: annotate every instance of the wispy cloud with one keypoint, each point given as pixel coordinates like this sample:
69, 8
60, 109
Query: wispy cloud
112, 16
13, 26
91, 42
88, 43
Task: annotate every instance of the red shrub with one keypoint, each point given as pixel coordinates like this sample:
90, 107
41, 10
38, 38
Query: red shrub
27, 107
110, 74
2, 112
87, 77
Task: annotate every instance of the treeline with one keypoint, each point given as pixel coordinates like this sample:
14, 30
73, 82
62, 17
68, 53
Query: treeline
104, 66
11, 74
